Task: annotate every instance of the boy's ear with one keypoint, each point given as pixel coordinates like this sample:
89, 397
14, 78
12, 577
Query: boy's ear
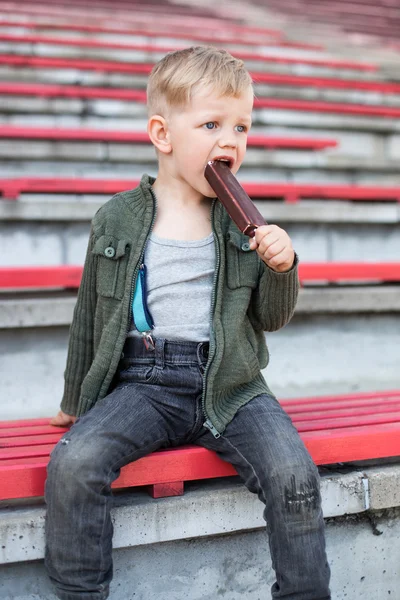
157, 128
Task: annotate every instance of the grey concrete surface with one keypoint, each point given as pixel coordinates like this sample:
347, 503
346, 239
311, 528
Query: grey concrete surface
212, 542
54, 243
54, 309
314, 355
233, 567
211, 507
56, 208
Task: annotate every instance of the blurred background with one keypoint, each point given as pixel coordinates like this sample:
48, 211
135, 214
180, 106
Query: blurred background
322, 162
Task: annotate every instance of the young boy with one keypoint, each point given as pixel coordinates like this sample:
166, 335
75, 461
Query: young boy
180, 362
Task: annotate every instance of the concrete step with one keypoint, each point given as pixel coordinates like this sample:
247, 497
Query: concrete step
92, 79
317, 353
55, 308
56, 242
273, 62
82, 209
375, 160
149, 538
117, 114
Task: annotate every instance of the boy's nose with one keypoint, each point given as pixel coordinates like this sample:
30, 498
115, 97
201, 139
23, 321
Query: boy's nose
227, 142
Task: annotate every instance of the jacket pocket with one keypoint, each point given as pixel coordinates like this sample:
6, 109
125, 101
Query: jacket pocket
242, 263
111, 266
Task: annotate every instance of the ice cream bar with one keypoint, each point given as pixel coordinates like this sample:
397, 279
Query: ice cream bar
237, 203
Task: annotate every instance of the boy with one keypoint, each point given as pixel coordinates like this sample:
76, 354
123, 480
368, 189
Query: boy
182, 364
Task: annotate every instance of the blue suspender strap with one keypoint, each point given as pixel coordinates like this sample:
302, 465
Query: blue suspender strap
141, 314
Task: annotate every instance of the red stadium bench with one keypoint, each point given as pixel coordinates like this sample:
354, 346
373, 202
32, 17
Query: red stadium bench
240, 37
69, 276
258, 77
112, 66
335, 429
178, 9
189, 31
268, 78
141, 137
380, 19
123, 94
26, 60
140, 13
11, 188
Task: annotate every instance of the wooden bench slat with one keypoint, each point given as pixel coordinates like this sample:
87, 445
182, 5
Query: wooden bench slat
323, 415
28, 431
344, 422
353, 443
372, 403
29, 440
8, 453
380, 395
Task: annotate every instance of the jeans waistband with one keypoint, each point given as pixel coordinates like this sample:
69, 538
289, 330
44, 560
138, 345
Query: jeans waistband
166, 351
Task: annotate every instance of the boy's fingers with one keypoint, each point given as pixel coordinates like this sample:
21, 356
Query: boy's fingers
261, 234
62, 419
270, 245
262, 231
253, 243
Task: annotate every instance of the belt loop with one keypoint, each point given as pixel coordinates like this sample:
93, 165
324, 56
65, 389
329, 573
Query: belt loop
160, 353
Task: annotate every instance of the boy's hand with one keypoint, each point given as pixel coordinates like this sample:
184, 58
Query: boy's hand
274, 247
62, 419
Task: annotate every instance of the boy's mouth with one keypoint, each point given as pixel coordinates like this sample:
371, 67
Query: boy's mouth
226, 159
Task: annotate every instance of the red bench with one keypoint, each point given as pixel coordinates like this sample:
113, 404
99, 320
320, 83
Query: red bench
240, 37
190, 31
379, 20
113, 66
123, 94
335, 429
144, 13
69, 276
26, 60
141, 137
178, 9
258, 77
11, 188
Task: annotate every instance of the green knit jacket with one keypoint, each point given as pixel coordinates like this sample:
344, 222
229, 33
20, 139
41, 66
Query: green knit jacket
248, 298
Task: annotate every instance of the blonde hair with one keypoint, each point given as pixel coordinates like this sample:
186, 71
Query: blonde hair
176, 76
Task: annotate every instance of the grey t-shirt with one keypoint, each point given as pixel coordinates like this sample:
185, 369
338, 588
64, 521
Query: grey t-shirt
179, 284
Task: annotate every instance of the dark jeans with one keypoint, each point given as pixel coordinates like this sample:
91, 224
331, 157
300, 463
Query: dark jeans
157, 404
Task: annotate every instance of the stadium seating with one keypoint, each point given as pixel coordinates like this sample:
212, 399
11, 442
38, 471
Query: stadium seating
139, 137
68, 276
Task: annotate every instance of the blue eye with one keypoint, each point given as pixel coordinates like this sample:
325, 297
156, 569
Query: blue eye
210, 123
241, 128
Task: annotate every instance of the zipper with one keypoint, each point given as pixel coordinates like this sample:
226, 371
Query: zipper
208, 424
140, 261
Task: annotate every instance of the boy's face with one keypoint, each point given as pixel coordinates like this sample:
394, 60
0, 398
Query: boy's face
210, 127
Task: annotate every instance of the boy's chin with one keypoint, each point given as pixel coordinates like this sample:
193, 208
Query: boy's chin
208, 192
